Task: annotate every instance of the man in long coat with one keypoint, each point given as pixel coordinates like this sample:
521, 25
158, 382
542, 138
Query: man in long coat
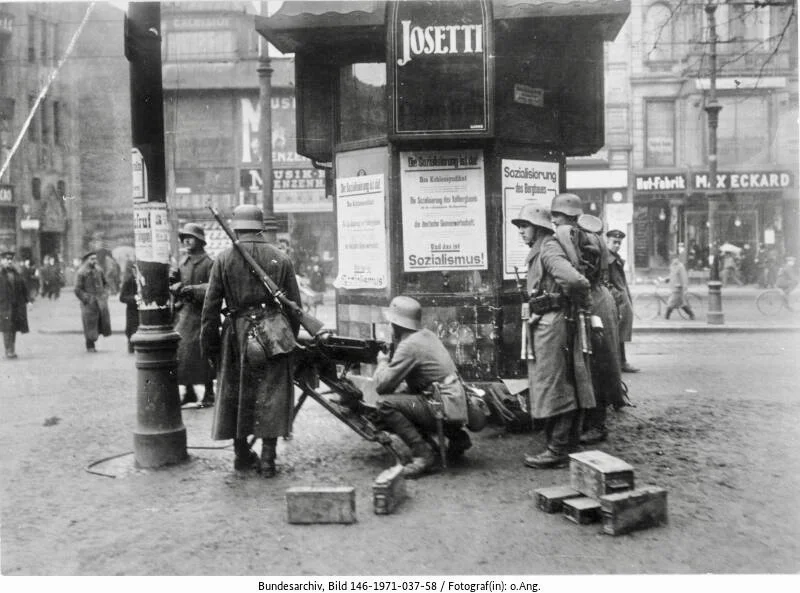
13, 303
622, 295
188, 284
92, 291
254, 397
559, 380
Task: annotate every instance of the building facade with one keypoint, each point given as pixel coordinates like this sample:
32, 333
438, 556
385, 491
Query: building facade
36, 219
756, 186
67, 177
212, 119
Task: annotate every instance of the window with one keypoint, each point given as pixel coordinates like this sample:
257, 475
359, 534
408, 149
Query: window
44, 34
31, 39
362, 90
36, 188
659, 133
744, 131
657, 33
44, 107
34, 132
57, 137
750, 27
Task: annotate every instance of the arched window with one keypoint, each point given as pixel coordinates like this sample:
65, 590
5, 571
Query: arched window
657, 35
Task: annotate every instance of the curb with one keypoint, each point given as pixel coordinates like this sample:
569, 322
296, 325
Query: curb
705, 328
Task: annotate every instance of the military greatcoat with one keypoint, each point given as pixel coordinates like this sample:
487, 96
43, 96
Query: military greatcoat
193, 273
622, 295
256, 401
13, 302
91, 289
559, 379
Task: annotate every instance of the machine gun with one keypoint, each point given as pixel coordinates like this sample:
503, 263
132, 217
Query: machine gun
327, 359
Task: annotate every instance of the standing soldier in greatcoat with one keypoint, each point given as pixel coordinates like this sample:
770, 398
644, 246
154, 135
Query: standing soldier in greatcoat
559, 380
92, 291
622, 295
188, 284
588, 252
255, 395
13, 303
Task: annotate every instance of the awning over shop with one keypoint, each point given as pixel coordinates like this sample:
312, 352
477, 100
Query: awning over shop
299, 24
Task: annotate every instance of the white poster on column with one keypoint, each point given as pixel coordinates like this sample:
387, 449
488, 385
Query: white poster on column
523, 182
361, 228
151, 232
444, 210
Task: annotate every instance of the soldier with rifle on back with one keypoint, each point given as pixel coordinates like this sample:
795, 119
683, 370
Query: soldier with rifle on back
253, 354
558, 376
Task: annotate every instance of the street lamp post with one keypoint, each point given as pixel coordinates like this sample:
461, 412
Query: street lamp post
265, 134
712, 108
160, 436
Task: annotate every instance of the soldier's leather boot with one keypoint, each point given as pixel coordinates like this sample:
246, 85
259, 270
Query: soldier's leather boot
208, 396
268, 457
548, 459
246, 458
422, 457
189, 396
458, 444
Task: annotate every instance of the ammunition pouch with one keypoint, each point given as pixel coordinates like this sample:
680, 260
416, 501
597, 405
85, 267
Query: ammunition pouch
547, 302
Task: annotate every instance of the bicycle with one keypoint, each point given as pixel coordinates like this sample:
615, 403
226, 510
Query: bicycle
648, 306
773, 301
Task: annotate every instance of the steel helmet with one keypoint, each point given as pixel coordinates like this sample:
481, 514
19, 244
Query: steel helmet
191, 229
405, 312
568, 204
247, 217
533, 214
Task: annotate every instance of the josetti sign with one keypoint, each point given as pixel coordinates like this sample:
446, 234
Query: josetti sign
440, 62
743, 181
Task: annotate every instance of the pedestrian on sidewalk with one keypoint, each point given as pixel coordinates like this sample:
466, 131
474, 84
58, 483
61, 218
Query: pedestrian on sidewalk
622, 295
255, 394
127, 295
419, 359
13, 303
559, 381
679, 283
92, 291
188, 285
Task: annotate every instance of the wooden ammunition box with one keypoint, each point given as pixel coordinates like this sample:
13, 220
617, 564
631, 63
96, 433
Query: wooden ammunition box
388, 490
581, 510
594, 473
635, 509
321, 504
550, 500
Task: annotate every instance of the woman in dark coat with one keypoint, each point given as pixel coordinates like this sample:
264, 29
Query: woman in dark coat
13, 303
92, 291
127, 295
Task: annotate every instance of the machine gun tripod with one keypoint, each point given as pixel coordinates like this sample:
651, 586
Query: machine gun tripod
319, 360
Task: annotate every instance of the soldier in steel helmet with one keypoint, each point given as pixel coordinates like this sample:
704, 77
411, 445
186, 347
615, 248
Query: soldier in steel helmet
578, 235
254, 397
560, 386
188, 285
419, 360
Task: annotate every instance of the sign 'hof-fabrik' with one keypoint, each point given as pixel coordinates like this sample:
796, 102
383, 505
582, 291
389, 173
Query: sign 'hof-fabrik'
440, 61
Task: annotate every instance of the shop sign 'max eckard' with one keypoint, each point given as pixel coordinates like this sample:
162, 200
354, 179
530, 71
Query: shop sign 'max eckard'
441, 68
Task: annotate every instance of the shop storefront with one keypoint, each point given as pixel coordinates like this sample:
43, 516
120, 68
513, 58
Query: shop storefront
8, 218
755, 209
